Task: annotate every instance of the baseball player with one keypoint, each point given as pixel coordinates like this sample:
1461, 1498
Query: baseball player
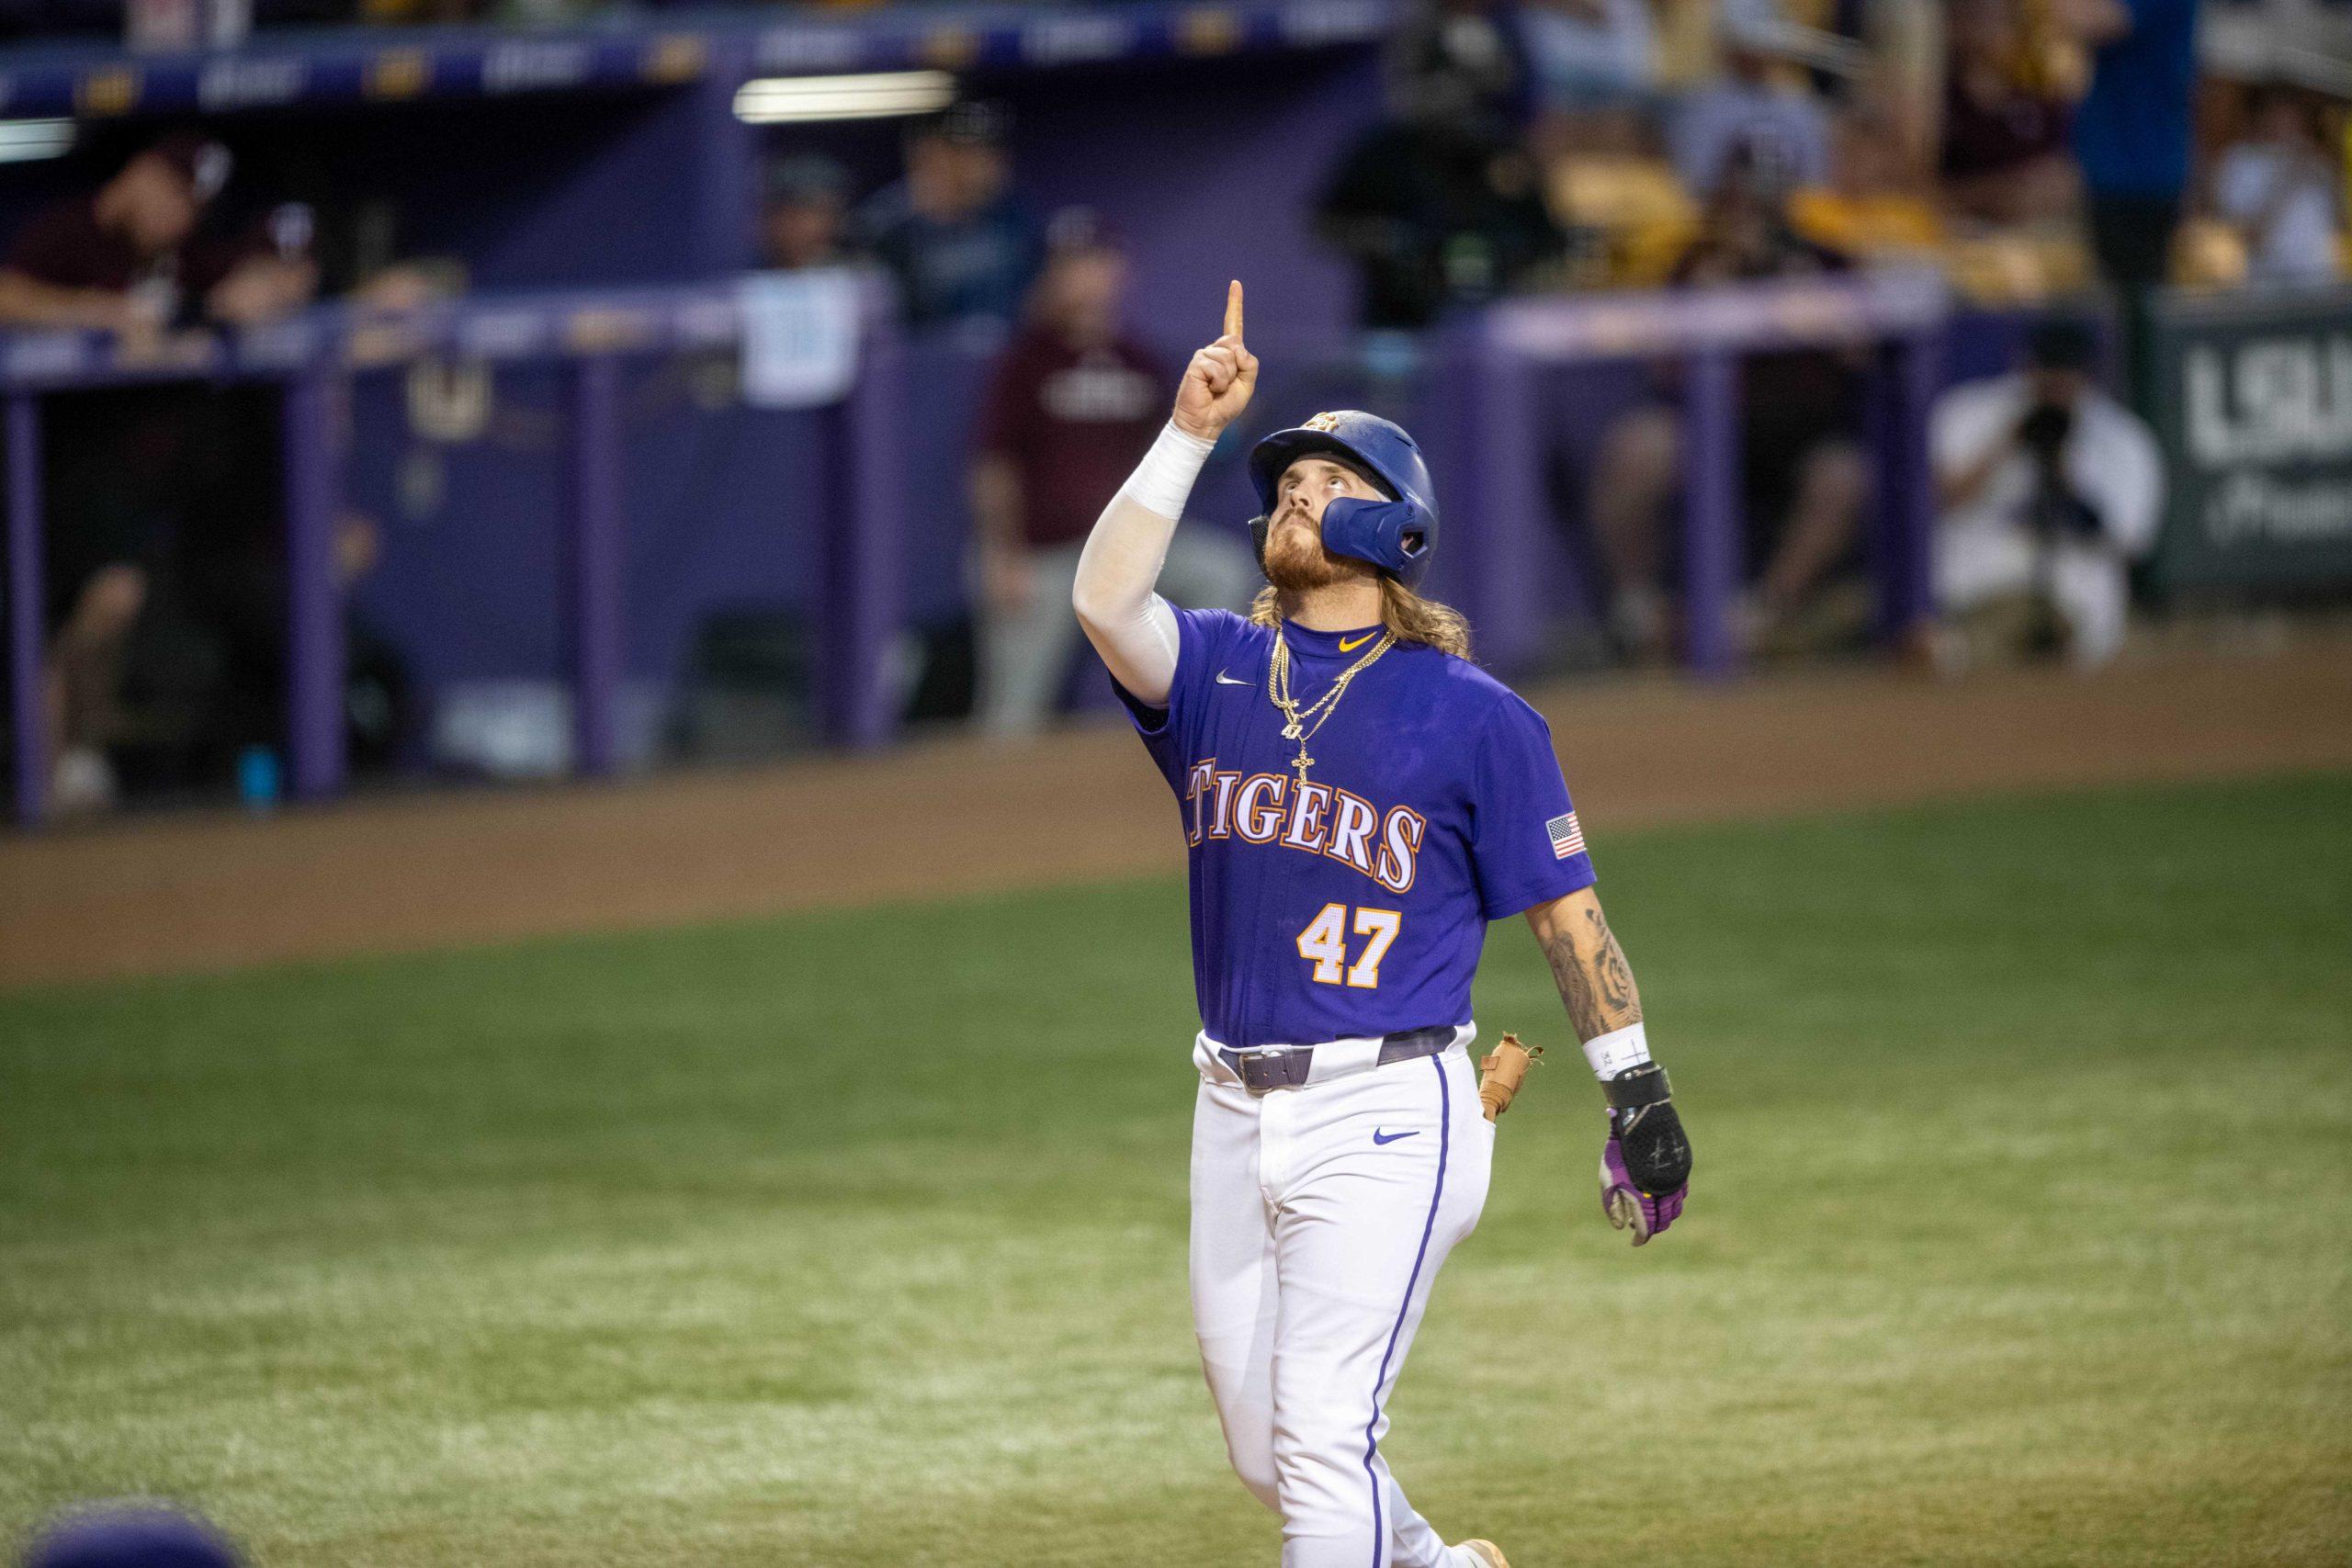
1359, 800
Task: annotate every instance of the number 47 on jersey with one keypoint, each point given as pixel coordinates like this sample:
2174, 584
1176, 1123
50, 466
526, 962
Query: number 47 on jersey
1325, 941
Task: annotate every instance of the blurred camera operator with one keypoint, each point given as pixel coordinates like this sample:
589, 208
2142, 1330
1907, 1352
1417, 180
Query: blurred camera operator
1441, 201
2048, 489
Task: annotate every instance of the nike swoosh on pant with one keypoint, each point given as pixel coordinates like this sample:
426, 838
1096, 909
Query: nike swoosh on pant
1380, 1138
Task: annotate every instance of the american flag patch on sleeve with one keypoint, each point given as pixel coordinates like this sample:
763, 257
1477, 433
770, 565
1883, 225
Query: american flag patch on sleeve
1568, 836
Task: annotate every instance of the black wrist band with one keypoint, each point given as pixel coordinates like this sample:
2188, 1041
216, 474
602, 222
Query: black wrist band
1636, 1087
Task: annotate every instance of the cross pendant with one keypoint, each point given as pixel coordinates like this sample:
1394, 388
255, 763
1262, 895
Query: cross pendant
1304, 762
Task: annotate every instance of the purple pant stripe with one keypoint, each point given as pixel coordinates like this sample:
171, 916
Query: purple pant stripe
1429, 1228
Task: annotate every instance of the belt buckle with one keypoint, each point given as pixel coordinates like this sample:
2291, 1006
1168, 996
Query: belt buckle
1259, 1065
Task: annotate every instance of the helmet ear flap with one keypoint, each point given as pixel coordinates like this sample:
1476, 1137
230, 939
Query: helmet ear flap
1392, 534
1258, 539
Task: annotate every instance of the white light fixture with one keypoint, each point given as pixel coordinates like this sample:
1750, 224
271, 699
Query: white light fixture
771, 100
29, 141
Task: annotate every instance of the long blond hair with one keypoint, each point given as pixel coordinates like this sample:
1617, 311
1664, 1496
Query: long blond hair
1405, 612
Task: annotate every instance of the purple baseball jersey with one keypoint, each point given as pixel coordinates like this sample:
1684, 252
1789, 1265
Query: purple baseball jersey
1356, 906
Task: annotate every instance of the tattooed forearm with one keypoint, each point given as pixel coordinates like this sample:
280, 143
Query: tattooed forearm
1617, 989
1596, 985
1575, 986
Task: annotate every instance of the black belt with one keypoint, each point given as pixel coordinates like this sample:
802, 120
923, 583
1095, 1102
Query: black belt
1286, 1066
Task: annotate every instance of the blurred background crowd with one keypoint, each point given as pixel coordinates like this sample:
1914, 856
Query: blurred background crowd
2059, 164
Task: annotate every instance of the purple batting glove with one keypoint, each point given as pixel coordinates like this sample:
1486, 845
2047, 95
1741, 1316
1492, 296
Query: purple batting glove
1627, 1206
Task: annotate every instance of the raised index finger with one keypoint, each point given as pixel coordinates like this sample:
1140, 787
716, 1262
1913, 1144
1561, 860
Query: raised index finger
1233, 308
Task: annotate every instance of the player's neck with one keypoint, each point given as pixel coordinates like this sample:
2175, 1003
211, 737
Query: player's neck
1337, 607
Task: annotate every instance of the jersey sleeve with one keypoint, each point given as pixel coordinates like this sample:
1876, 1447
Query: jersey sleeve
1202, 638
1526, 846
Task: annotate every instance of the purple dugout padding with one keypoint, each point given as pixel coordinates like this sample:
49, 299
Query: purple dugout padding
27, 724
316, 753
596, 541
1902, 542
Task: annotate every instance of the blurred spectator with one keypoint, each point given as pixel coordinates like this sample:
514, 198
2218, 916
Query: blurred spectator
804, 219
1805, 477
2132, 131
1609, 183
125, 258
1580, 51
1071, 407
2132, 137
1752, 115
134, 1537
1463, 61
2276, 190
1870, 208
126, 468
2004, 157
961, 245
2049, 488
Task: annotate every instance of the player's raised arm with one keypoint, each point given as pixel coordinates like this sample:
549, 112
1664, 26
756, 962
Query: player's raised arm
1645, 1166
1131, 627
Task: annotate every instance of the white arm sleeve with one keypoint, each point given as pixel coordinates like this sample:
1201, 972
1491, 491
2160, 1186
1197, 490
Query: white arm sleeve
1131, 627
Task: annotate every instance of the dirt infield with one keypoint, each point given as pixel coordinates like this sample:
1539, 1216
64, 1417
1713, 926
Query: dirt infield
219, 890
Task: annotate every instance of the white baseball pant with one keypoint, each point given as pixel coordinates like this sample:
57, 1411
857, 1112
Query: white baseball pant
1321, 1215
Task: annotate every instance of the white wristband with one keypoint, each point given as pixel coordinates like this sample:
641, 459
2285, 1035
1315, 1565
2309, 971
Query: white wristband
1164, 479
1614, 1052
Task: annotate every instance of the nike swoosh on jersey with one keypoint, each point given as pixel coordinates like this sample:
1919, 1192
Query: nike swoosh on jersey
1225, 680
1380, 1138
1347, 647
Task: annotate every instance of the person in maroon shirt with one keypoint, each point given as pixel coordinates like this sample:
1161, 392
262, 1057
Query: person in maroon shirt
115, 260
1071, 406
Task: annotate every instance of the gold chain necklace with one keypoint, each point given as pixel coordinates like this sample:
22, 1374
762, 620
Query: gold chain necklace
1295, 726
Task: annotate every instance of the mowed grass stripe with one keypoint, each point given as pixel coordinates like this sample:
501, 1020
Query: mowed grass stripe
2022, 1231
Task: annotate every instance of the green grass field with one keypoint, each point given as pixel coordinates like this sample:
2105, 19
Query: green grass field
2022, 1229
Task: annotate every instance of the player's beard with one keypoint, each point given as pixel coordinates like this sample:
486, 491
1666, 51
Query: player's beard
1297, 562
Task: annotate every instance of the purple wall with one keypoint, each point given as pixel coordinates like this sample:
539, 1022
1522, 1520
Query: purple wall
721, 502
1230, 194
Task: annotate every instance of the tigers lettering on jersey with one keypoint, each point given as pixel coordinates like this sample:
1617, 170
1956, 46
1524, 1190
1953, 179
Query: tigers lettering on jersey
1351, 903
1313, 818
